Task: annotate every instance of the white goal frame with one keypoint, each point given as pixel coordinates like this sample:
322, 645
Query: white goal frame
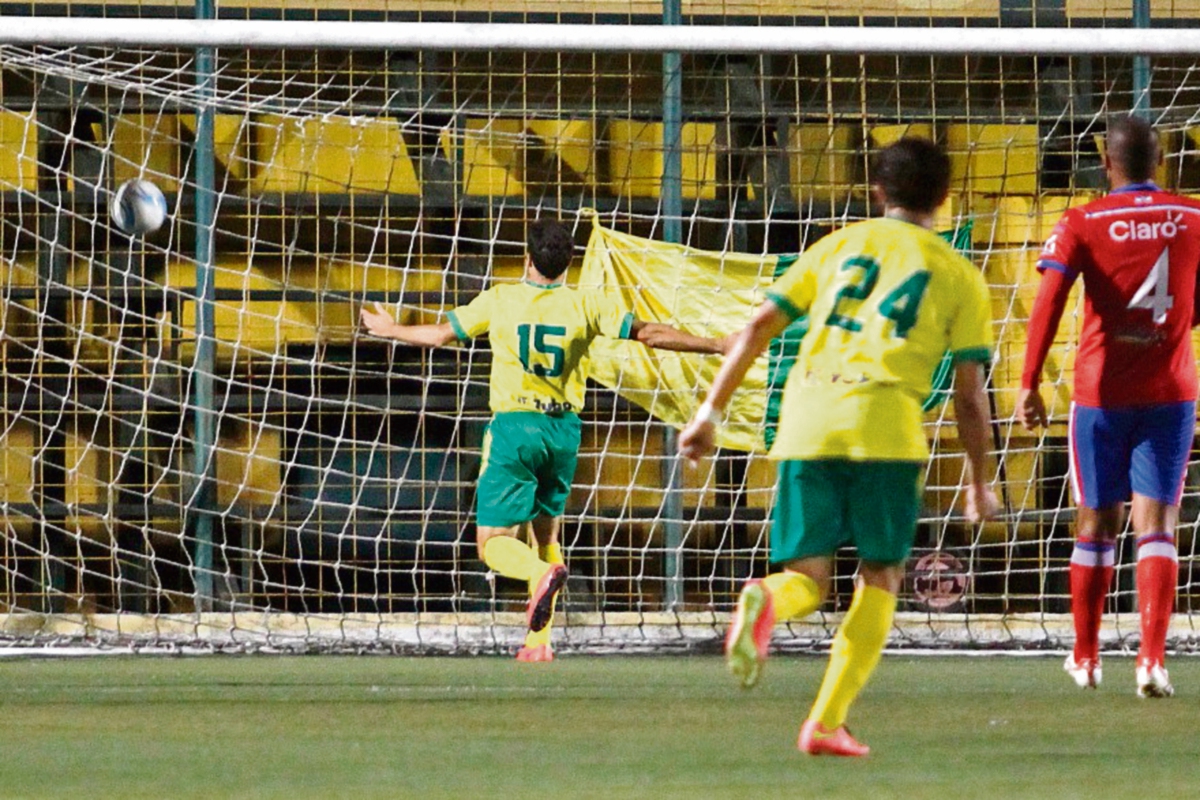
585, 630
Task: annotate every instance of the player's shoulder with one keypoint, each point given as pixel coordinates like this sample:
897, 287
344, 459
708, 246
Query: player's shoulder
875, 236
1150, 196
509, 295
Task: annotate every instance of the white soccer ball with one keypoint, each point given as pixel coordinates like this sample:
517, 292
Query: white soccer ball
138, 208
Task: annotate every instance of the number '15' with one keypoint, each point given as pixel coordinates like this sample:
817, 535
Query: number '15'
540, 335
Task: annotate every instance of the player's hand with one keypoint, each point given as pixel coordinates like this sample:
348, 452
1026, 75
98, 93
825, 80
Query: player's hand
982, 502
697, 440
378, 322
1031, 410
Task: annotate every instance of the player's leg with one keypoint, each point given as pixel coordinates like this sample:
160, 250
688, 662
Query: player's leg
1158, 469
794, 591
807, 530
503, 551
883, 504
505, 501
537, 647
1157, 578
799, 588
1100, 446
853, 656
558, 438
1091, 573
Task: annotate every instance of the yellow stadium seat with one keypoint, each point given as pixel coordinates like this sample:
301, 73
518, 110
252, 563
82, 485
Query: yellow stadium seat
248, 464
635, 158
18, 151
883, 135
993, 159
231, 141
146, 146
331, 155
1006, 220
244, 329
16, 461
825, 161
1050, 209
504, 157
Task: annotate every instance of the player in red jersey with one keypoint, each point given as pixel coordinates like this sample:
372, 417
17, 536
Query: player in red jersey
1133, 411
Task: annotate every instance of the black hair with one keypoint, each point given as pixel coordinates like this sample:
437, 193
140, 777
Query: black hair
1132, 145
913, 173
550, 247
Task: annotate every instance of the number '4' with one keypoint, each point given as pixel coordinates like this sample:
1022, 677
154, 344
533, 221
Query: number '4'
901, 304
1154, 294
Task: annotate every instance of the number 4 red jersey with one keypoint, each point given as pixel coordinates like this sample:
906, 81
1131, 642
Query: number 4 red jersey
1138, 250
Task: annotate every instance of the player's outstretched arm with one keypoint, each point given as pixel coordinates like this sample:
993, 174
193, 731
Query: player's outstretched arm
699, 437
380, 323
974, 428
665, 337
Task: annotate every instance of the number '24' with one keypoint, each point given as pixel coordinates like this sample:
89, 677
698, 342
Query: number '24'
899, 305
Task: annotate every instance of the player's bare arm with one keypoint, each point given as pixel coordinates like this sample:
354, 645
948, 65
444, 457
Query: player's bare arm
974, 426
666, 337
1043, 324
698, 438
380, 323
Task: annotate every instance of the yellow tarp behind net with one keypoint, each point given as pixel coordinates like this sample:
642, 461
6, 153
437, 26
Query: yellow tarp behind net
701, 292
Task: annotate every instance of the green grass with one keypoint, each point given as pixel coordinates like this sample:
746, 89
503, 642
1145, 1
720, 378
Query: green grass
580, 727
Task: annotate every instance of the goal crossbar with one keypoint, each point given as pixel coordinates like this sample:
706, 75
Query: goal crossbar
465, 36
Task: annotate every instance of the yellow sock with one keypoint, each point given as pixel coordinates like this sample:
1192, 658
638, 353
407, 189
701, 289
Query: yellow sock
793, 593
513, 558
855, 652
551, 554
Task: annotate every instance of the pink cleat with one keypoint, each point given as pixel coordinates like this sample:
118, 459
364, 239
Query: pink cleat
816, 741
537, 654
541, 604
749, 636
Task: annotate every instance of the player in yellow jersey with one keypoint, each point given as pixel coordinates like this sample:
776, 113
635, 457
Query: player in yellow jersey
886, 298
539, 331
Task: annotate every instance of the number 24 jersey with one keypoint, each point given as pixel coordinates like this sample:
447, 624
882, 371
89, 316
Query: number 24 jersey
885, 299
1137, 250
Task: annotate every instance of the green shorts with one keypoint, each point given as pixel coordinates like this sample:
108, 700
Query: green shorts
528, 465
823, 504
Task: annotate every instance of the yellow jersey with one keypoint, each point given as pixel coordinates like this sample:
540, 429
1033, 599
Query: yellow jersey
539, 337
886, 300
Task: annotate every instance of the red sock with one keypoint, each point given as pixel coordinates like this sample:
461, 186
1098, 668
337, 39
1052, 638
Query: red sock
1157, 576
1091, 575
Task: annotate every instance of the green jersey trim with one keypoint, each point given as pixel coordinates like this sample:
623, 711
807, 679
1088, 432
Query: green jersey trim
457, 326
626, 325
785, 305
981, 354
542, 285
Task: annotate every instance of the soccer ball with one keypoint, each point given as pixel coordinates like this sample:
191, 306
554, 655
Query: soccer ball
138, 208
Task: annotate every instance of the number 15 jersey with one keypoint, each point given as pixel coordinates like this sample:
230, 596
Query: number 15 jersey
1137, 250
885, 299
539, 335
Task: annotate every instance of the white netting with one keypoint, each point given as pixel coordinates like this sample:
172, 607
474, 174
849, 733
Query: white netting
344, 467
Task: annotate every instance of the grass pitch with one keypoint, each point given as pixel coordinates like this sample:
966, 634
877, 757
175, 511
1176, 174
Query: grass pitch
581, 727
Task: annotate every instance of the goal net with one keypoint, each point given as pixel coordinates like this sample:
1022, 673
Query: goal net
201, 447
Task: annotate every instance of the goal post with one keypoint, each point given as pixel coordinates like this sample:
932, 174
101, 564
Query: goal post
400, 163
